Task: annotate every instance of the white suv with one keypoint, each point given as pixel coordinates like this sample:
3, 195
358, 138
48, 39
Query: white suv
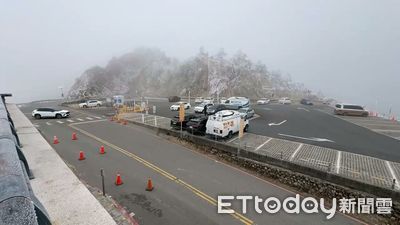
90, 103
49, 113
175, 107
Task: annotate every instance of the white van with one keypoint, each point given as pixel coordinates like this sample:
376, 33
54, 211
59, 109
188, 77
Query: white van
240, 102
225, 123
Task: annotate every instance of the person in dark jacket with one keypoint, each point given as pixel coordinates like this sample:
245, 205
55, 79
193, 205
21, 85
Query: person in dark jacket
205, 110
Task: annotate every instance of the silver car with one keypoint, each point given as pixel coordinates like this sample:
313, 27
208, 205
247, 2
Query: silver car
246, 112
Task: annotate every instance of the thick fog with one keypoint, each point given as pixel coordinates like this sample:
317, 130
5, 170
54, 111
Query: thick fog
348, 49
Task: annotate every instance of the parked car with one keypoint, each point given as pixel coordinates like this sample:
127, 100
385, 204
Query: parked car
174, 98
197, 125
285, 101
215, 108
91, 103
200, 108
209, 100
49, 113
263, 101
225, 123
198, 100
222, 100
306, 102
176, 124
350, 110
175, 107
246, 112
238, 101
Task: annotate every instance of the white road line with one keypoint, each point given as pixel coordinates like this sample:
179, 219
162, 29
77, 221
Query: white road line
48, 123
260, 146
301, 108
98, 117
393, 174
60, 122
89, 118
295, 152
232, 140
79, 119
71, 121
338, 160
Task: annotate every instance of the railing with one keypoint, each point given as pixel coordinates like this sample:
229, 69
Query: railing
18, 204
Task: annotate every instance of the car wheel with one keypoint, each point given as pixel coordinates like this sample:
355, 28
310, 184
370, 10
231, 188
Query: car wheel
58, 116
246, 128
37, 116
230, 135
85, 106
98, 105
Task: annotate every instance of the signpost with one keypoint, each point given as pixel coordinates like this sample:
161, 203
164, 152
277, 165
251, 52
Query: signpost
181, 115
241, 132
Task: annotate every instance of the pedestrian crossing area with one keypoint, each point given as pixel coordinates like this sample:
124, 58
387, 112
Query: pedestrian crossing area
75, 120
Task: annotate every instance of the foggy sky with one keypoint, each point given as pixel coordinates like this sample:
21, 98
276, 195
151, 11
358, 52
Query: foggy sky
349, 50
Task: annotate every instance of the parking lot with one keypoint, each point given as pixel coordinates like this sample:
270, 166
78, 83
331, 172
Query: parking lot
315, 125
367, 169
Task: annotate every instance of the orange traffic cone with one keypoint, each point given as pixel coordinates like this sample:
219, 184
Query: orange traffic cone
149, 185
102, 150
74, 136
81, 155
118, 181
55, 140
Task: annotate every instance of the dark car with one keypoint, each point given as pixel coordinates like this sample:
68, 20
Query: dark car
197, 125
215, 108
306, 102
174, 98
176, 124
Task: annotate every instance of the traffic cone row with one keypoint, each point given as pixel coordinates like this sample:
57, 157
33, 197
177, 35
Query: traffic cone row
118, 180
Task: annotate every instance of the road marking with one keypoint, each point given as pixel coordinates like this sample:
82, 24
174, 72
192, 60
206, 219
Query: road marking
92, 121
71, 121
60, 122
234, 139
79, 119
89, 118
277, 124
295, 152
260, 146
48, 123
338, 160
98, 117
393, 174
166, 174
309, 139
301, 108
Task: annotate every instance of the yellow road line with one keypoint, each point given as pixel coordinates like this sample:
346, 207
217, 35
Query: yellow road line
196, 191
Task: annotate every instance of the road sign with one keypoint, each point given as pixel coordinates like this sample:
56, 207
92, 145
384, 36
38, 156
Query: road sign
181, 112
241, 128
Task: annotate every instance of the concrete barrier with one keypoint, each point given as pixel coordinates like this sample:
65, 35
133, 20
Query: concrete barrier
18, 204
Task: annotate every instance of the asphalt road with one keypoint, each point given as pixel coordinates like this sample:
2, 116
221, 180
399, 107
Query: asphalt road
186, 183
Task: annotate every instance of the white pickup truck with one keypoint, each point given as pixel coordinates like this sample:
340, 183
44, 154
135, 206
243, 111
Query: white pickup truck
225, 123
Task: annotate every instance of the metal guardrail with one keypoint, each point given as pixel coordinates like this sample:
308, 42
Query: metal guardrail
18, 204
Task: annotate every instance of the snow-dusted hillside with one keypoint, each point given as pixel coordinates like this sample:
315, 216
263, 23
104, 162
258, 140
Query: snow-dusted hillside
149, 72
